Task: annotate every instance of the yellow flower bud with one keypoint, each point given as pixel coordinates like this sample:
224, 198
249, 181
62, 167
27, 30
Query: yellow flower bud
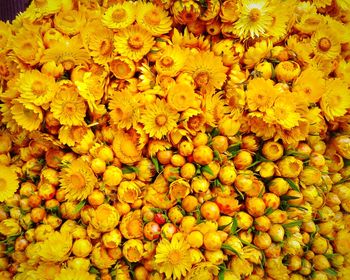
200, 184
244, 220
112, 176
242, 160
82, 248
128, 191
227, 174
100, 258
133, 250
215, 257
10, 227
287, 71
290, 167
266, 169
82, 264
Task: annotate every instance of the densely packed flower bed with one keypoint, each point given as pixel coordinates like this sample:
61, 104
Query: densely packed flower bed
186, 139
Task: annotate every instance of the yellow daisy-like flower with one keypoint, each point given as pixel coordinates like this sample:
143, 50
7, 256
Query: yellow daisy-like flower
126, 148
100, 45
68, 106
124, 108
74, 274
325, 44
311, 84
260, 94
214, 108
203, 271
69, 53
128, 191
207, 70
37, 87
69, 22
10, 227
254, 19
133, 42
189, 40
5, 34
8, 182
336, 100
181, 96
194, 119
280, 13
122, 67
56, 247
27, 115
256, 53
261, 128
154, 146
77, 180
28, 46
283, 112
295, 135
321, 3
153, 18
171, 61
120, 15
309, 22
172, 258
41, 8
159, 119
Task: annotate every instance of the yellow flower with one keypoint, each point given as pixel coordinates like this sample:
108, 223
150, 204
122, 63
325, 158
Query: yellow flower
214, 108
69, 22
281, 15
189, 40
186, 12
256, 53
122, 67
10, 226
159, 119
39, 9
68, 52
295, 135
8, 182
77, 180
120, 15
309, 22
56, 247
325, 43
37, 87
193, 120
254, 19
179, 189
172, 257
203, 271
283, 112
336, 100
133, 42
229, 12
153, 18
311, 84
240, 266
290, 167
128, 191
276, 269
26, 115
261, 128
74, 274
133, 250
5, 34
124, 108
99, 42
68, 107
181, 96
321, 3
207, 70
28, 46
131, 225
125, 148
100, 258
154, 146
105, 218
261, 94
171, 61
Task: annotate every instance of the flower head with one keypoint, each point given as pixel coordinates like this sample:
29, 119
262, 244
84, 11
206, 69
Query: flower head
133, 250
77, 180
74, 274
171, 61
126, 148
153, 18
172, 257
105, 218
133, 42
254, 19
26, 115
9, 227
56, 247
159, 119
131, 225
120, 15
261, 94
69, 22
128, 191
181, 96
8, 182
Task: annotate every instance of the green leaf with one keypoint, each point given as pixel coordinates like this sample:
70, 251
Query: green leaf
217, 156
172, 179
346, 162
234, 149
292, 184
331, 271
10, 249
229, 248
248, 244
215, 132
224, 226
330, 256
221, 275
269, 211
288, 197
207, 169
79, 206
94, 270
130, 169
156, 164
297, 223
234, 225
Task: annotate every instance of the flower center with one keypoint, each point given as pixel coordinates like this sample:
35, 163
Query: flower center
69, 18
152, 17
69, 108
175, 257
254, 14
120, 68
118, 15
133, 253
194, 122
161, 120
77, 180
106, 47
167, 61
135, 42
324, 44
68, 64
37, 88
3, 183
202, 79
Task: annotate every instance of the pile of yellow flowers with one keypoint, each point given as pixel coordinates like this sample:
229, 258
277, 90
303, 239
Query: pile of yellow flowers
175, 139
